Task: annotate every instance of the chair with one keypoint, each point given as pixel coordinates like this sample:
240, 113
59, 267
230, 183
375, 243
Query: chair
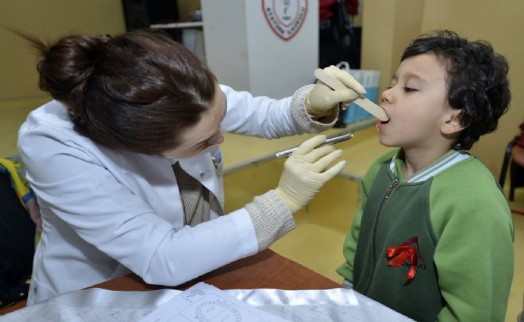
514, 159
17, 233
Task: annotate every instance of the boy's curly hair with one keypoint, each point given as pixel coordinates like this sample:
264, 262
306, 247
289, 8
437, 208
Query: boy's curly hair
478, 82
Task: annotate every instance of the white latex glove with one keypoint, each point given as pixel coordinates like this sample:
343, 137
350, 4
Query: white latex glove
307, 170
322, 99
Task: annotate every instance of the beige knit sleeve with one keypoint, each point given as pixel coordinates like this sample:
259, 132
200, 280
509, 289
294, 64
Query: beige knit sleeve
300, 115
271, 218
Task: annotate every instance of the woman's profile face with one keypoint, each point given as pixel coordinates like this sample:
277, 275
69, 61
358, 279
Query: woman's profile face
204, 134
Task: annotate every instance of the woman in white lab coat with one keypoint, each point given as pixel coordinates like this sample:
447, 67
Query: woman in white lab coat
100, 158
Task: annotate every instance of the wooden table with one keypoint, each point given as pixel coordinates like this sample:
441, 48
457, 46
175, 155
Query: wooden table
266, 269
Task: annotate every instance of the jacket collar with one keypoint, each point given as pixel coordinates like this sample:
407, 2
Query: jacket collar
446, 161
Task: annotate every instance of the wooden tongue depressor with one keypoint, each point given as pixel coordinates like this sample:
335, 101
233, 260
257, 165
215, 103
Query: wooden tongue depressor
365, 103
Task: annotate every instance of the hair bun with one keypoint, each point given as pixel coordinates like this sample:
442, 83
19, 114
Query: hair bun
67, 65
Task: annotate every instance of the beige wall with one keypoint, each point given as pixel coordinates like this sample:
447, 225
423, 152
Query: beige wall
47, 19
389, 25
50, 19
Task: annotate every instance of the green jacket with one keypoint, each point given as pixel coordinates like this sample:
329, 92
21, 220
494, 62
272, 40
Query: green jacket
435, 247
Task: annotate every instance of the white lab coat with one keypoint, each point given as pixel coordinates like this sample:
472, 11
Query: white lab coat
107, 213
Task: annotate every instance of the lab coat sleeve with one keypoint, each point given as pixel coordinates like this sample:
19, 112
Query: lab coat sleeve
79, 194
265, 117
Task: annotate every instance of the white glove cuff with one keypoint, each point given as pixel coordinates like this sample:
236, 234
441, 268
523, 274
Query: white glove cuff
271, 218
300, 114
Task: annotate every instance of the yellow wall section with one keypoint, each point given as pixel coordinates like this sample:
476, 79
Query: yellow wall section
46, 19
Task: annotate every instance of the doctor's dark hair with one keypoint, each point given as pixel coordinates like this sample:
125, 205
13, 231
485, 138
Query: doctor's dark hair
137, 91
477, 81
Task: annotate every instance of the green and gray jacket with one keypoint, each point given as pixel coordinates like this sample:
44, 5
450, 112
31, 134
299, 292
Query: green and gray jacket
435, 247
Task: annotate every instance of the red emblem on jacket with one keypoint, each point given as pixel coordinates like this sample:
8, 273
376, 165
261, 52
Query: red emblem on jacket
406, 253
285, 17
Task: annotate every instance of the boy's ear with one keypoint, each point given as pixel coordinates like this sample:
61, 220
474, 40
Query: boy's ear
452, 124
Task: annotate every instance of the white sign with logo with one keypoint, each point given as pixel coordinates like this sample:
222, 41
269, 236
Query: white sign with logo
285, 17
249, 49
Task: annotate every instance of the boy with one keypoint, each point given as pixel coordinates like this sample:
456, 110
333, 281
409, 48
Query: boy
433, 235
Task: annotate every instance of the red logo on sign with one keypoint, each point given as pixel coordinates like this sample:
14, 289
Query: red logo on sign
285, 17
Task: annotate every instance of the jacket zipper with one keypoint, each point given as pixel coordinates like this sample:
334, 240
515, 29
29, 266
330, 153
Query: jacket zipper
387, 194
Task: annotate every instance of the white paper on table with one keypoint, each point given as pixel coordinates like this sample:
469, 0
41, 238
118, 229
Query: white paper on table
95, 304
204, 302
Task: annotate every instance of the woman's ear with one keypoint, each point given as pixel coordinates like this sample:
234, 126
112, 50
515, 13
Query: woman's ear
452, 124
